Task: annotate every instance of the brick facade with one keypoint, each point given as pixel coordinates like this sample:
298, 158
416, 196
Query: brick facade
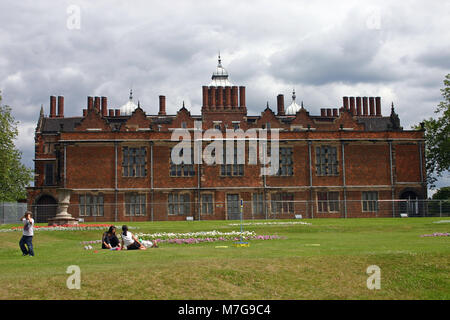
85, 155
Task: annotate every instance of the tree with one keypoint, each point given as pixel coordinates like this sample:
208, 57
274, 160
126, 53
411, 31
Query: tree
14, 176
437, 138
442, 194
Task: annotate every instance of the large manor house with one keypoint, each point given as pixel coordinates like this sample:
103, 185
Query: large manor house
115, 164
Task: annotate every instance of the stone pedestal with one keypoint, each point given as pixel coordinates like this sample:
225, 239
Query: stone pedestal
63, 217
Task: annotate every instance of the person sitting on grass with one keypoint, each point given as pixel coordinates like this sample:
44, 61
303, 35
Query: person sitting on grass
130, 241
110, 240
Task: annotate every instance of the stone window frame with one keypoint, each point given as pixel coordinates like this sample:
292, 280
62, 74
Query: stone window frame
202, 203
135, 167
97, 205
290, 203
319, 163
258, 203
367, 204
141, 204
186, 170
332, 205
178, 204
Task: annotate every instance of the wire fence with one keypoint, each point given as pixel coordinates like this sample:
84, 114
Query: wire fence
230, 209
11, 212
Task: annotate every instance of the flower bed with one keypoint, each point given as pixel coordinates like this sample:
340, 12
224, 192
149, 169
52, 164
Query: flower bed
270, 223
197, 235
66, 227
436, 234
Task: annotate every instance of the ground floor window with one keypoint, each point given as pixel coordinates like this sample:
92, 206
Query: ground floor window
91, 205
370, 201
207, 204
328, 201
179, 204
282, 202
135, 204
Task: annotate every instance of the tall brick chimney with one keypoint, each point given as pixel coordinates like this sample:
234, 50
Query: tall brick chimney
227, 96
378, 106
213, 96
345, 102
90, 103
329, 112
60, 107
335, 112
52, 107
117, 112
280, 105
358, 106
104, 106
352, 105
111, 112
205, 96
242, 97
234, 97
97, 103
372, 106
220, 96
365, 107
162, 106
323, 112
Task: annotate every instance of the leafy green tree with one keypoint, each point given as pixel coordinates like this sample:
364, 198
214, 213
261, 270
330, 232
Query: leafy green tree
442, 194
437, 138
14, 176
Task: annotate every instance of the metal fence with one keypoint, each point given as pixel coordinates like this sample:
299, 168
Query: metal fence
11, 212
207, 208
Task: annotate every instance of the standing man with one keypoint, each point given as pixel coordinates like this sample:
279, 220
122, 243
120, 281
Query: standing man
28, 232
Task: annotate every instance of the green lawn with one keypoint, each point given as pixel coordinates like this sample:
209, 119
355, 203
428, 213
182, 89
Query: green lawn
412, 267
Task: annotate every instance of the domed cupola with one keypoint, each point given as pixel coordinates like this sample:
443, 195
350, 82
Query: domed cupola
128, 108
294, 107
220, 76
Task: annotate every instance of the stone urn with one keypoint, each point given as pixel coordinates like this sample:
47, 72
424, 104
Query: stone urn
63, 217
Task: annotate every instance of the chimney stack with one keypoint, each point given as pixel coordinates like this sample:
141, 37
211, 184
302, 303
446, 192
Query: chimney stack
213, 96
335, 112
234, 96
97, 103
242, 97
111, 112
365, 107
60, 107
372, 106
358, 106
162, 106
52, 107
280, 104
90, 103
323, 112
378, 106
117, 112
352, 105
104, 106
227, 96
205, 96
84, 112
328, 112
220, 96
345, 102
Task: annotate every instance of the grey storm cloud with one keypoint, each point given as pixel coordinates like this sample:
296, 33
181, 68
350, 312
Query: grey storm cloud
323, 49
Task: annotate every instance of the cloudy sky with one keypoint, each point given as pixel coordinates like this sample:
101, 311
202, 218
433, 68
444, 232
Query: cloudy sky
324, 49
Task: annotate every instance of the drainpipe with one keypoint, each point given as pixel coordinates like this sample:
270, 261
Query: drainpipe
115, 182
392, 179
310, 181
151, 178
343, 179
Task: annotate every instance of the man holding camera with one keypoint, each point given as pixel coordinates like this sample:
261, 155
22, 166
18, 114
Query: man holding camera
26, 242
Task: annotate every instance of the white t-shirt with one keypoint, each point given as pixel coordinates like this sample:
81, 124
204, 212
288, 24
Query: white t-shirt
28, 229
128, 239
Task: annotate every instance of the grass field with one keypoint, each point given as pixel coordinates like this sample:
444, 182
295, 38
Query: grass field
412, 267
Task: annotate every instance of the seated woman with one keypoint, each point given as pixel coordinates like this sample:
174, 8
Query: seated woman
130, 241
109, 239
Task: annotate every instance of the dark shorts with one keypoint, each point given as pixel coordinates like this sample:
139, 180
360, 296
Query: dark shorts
133, 246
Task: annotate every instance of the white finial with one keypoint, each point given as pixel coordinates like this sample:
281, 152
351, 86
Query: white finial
131, 94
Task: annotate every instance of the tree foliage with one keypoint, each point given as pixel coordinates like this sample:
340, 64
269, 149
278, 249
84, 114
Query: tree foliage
437, 138
442, 194
14, 176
